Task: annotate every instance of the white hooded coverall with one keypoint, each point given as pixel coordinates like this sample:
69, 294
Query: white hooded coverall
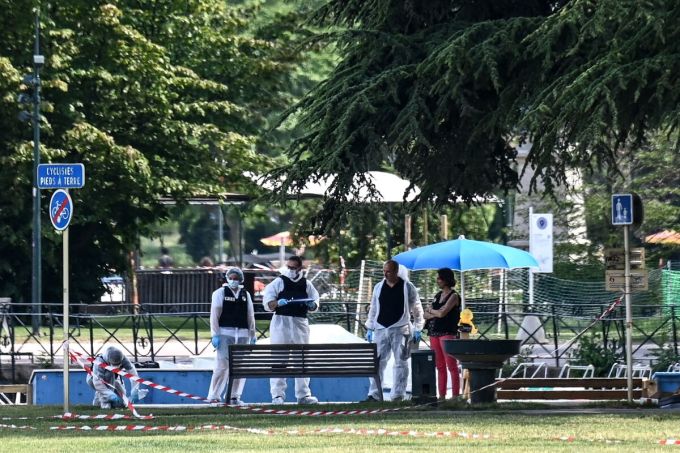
228, 335
100, 376
394, 340
288, 330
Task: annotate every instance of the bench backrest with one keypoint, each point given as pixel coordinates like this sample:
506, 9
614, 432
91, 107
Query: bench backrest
594, 383
351, 359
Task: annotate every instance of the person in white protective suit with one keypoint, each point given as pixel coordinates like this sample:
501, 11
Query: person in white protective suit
395, 300
109, 386
290, 296
232, 321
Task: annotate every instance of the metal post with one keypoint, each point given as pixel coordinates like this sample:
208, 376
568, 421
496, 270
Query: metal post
389, 231
195, 316
51, 314
66, 315
282, 252
629, 315
675, 330
36, 289
220, 234
12, 339
153, 354
531, 271
426, 240
135, 334
240, 238
359, 294
556, 340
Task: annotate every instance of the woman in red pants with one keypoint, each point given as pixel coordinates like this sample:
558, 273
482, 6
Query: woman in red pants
443, 317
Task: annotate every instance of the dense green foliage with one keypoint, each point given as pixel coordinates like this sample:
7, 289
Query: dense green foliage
169, 99
157, 99
651, 172
591, 351
443, 87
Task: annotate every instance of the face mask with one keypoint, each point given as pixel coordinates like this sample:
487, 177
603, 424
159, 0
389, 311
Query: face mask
291, 274
233, 284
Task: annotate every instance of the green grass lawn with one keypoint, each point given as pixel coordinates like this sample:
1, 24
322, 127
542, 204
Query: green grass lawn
508, 430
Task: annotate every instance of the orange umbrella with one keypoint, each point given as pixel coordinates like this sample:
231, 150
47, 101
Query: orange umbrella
282, 238
669, 237
286, 239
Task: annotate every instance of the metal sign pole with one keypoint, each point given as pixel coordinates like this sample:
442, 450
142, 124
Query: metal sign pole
36, 280
531, 270
629, 315
66, 316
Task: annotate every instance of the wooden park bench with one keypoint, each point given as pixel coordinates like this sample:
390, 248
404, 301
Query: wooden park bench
12, 394
567, 389
303, 360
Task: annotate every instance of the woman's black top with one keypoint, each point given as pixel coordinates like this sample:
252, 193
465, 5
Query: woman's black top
448, 325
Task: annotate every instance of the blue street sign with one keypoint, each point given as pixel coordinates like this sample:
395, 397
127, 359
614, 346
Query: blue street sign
622, 209
61, 209
61, 176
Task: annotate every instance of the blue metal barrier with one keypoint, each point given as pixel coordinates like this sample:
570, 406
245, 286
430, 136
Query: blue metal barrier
48, 387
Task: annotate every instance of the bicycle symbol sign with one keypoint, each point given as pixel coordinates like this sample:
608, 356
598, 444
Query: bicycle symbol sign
61, 210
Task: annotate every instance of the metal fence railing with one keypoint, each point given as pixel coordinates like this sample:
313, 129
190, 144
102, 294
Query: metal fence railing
173, 314
146, 333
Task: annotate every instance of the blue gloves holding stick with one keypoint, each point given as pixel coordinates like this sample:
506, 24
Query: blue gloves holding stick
117, 401
308, 302
369, 336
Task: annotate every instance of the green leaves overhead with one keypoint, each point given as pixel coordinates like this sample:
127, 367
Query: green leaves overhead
157, 99
442, 88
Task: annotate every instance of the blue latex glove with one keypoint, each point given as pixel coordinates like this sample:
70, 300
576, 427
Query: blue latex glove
117, 401
253, 340
282, 302
417, 336
215, 341
369, 336
311, 305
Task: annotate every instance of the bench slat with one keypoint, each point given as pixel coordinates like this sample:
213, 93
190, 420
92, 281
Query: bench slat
308, 360
273, 361
595, 383
306, 347
566, 394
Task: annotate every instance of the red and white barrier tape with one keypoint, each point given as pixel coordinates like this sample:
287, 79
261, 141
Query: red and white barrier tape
72, 416
157, 428
670, 441
574, 439
75, 356
135, 378
263, 410
269, 411
3, 426
257, 409
385, 432
294, 432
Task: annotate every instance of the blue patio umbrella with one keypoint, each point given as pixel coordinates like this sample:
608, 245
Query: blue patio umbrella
465, 255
